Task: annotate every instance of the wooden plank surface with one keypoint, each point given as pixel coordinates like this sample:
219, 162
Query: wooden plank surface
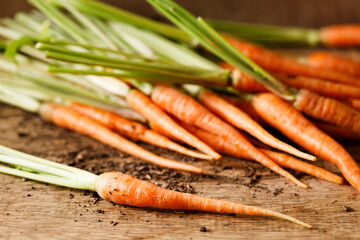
31, 210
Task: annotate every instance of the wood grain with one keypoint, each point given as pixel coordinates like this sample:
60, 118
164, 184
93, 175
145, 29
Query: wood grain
31, 210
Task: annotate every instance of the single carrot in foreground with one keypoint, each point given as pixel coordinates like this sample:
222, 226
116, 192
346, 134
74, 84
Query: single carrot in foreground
344, 35
273, 62
70, 119
143, 105
295, 126
328, 110
335, 63
222, 145
132, 129
121, 188
241, 120
188, 110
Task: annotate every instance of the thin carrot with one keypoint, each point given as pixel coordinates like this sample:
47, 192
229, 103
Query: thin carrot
143, 105
345, 35
241, 120
327, 109
284, 160
70, 119
295, 126
132, 129
120, 188
277, 63
190, 111
320, 86
128, 190
354, 102
336, 131
335, 63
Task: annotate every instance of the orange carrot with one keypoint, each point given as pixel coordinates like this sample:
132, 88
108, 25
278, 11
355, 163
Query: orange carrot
190, 111
241, 120
295, 126
328, 110
320, 86
346, 35
128, 190
284, 160
335, 63
143, 105
132, 129
70, 119
354, 102
273, 62
336, 131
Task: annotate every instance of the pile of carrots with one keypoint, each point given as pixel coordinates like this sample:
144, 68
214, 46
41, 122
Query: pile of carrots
229, 119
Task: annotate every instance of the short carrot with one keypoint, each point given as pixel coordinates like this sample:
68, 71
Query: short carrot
120, 188
143, 105
345, 35
327, 109
335, 63
241, 120
284, 160
70, 119
132, 129
273, 62
295, 126
188, 110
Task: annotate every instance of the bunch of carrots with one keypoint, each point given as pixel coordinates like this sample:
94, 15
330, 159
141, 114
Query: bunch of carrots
116, 77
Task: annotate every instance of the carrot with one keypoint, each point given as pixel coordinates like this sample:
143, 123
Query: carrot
190, 111
354, 102
128, 190
284, 160
143, 105
328, 110
345, 35
335, 63
132, 129
277, 63
320, 86
295, 126
336, 131
241, 120
118, 187
70, 119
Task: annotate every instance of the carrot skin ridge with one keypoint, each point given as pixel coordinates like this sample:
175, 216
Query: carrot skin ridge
147, 108
128, 190
273, 62
241, 120
67, 118
345, 35
132, 129
354, 103
335, 63
328, 110
284, 160
295, 126
188, 110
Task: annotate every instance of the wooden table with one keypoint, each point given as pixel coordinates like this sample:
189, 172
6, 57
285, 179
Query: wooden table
31, 210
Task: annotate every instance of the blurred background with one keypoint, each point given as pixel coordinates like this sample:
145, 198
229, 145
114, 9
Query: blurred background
307, 13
